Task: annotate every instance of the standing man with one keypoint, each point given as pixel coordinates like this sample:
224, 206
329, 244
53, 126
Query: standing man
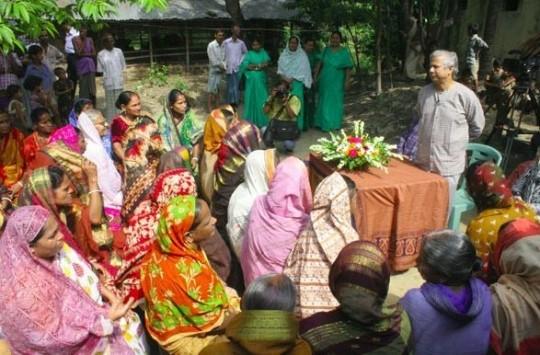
235, 49
52, 55
216, 68
86, 66
449, 115
475, 45
71, 33
111, 62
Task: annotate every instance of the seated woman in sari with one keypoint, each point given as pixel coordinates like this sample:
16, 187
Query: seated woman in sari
179, 126
80, 217
495, 204
258, 172
43, 126
185, 299
266, 324
451, 312
54, 303
516, 294
317, 247
215, 128
294, 67
11, 154
276, 220
366, 322
93, 127
241, 139
253, 67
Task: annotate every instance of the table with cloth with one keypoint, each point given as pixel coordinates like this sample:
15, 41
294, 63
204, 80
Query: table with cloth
394, 208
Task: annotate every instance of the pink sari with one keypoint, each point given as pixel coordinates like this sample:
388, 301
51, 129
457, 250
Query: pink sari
276, 220
68, 135
44, 312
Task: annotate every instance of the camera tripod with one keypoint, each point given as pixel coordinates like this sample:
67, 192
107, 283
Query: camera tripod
523, 98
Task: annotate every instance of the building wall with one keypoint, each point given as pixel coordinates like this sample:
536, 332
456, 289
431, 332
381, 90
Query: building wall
513, 27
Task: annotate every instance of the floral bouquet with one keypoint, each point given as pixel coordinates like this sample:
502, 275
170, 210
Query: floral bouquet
355, 150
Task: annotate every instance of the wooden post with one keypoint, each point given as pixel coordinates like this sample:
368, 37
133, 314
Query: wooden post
151, 47
186, 35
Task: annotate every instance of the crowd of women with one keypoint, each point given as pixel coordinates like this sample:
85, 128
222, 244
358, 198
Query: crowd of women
188, 235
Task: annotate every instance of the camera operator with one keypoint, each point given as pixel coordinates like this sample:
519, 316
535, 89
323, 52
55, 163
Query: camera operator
283, 108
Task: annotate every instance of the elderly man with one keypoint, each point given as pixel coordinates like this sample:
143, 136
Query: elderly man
449, 114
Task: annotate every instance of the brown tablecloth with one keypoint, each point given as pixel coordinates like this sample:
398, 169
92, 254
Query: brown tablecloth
394, 209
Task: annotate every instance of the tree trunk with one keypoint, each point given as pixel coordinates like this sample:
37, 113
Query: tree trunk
405, 26
233, 8
494, 7
378, 48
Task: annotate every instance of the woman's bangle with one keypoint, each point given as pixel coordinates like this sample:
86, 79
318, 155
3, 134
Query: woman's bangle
97, 190
7, 199
195, 158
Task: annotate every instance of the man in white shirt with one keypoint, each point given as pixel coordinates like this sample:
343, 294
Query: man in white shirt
216, 68
111, 62
71, 32
235, 49
52, 55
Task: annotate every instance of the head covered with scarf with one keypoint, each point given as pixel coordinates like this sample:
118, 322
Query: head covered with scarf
42, 310
516, 294
295, 64
183, 292
487, 186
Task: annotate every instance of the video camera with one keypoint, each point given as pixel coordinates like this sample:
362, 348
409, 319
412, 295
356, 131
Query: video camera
522, 68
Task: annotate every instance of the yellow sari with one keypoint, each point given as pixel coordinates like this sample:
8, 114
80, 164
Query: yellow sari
11, 157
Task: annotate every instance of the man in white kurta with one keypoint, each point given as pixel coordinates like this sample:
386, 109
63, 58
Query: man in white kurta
111, 62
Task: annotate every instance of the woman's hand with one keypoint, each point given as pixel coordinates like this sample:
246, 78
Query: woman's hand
90, 170
118, 309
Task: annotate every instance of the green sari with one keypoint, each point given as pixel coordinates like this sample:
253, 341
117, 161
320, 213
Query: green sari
256, 91
329, 114
186, 134
310, 95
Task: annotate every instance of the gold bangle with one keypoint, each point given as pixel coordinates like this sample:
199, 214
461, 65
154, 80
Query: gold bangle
91, 192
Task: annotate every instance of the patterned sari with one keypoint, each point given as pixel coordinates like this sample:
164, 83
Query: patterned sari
214, 131
240, 140
142, 150
516, 294
318, 246
11, 157
365, 323
186, 133
493, 197
95, 243
184, 294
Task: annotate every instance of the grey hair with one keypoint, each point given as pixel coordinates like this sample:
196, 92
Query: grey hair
448, 257
93, 114
270, 292
450, 59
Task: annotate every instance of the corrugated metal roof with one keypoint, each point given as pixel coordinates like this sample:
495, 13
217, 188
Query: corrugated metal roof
205, 9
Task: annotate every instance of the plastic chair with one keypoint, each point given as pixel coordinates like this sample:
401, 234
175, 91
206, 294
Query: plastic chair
463, 202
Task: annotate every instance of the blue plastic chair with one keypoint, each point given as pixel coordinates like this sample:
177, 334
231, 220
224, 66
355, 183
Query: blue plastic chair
463, 202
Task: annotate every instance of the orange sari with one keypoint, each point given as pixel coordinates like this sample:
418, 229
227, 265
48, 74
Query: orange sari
11, 157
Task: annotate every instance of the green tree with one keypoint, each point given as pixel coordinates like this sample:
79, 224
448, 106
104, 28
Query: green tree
30, 17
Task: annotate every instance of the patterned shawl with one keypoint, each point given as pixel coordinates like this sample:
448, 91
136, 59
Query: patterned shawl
186, 133
308, 265
142, 150
295, 64
258, 172
215, 129
11, 157
261, 332
516, 295
42, 310
183, 292
365, 322
276, 220
487, 186
140, 227
67, 135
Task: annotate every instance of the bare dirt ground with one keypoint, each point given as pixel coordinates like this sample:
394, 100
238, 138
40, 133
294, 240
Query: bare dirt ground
388, 115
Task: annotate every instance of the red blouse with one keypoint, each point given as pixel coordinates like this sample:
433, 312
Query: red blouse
118, 129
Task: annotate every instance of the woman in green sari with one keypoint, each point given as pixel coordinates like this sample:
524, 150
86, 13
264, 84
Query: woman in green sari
310, 95
333, 80
179, 126
293, 66
256, 91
